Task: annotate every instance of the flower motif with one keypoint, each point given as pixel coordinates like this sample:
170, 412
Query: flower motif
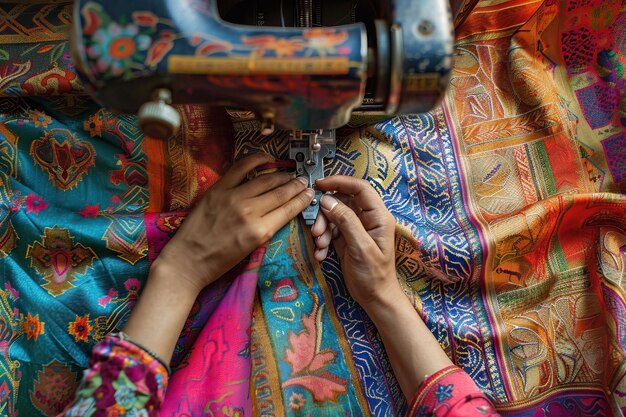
94, 126
132, 285
125, 397
90, 211
282, 47
115, 46
35, 204
80, 328
103, 301
40, 118
444, 392
296, 401
16, 201
15, 294
80, 407
169, 223
33, 327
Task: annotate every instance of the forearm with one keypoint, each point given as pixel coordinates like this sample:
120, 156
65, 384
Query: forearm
161, 311
412, 349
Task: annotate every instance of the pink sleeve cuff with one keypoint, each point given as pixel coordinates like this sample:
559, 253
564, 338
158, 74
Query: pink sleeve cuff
450, 392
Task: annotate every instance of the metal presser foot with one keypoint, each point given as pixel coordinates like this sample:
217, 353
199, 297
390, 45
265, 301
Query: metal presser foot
309, 148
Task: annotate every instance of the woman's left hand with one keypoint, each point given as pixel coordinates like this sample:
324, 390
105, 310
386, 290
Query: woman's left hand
231, 220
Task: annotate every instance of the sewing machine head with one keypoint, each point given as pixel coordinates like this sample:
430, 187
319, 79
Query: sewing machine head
299, 64
302, 65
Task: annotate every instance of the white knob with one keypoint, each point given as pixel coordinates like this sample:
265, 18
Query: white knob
157, 118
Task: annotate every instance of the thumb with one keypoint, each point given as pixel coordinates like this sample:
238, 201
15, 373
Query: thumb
346, 220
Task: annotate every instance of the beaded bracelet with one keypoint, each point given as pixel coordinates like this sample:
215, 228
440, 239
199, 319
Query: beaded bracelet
123, 336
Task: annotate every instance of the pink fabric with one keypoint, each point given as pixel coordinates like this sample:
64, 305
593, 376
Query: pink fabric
450, 392
216, 380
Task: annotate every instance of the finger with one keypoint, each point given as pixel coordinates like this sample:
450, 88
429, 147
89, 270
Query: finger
361, 190
279, 196
323, 241
263, 183
320, 225
346, 220
281, 215
238, 172
320, 254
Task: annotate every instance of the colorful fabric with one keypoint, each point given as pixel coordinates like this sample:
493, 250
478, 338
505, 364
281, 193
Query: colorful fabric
510, 238
450, 392
123, 379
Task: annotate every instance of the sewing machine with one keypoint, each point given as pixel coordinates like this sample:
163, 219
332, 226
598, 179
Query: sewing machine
300, 65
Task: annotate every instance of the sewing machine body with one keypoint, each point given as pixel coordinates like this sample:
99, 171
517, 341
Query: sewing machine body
143, 55
303, 77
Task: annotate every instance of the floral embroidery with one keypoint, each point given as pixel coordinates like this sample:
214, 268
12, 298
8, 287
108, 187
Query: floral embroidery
15, 294
103, 301
115, 46
80, 328
40, 118
132, 285
32, 326
123, 380
34, 204
444, 392
93, 125
280, 46
90, 211
308, 361
169, 223
296, 401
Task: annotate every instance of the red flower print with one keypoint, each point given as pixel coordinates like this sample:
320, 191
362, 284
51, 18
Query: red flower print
103, 301
90, 211
132, 285
32, 326
35, 204
80, 328
15, 294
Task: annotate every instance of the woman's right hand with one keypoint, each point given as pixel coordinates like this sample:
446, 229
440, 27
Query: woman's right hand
363, 232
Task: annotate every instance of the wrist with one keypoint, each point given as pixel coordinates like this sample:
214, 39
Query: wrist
168, 276
388, 305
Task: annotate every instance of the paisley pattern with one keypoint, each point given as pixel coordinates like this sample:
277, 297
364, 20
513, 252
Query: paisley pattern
510, 237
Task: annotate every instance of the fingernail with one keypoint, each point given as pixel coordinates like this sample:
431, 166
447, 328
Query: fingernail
303, 180
310, 193
328, 202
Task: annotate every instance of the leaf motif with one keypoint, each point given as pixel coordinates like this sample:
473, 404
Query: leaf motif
4, 55
323, 389
45, 48
57, 52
